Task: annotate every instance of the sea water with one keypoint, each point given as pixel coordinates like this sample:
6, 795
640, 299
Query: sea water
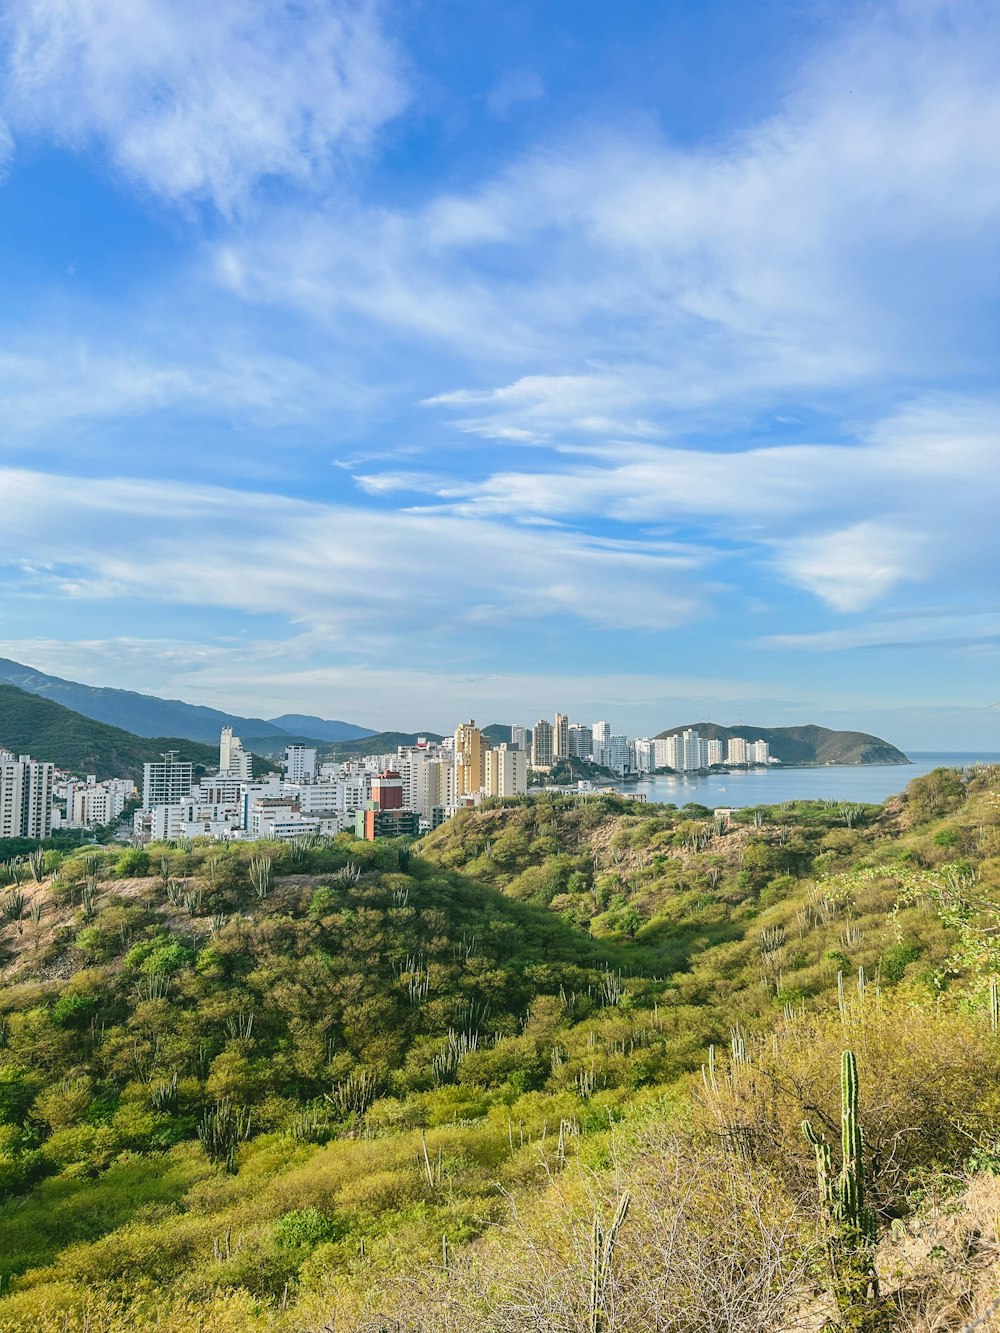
859, 783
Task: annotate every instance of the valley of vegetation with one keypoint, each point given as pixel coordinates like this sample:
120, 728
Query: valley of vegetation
544, 1070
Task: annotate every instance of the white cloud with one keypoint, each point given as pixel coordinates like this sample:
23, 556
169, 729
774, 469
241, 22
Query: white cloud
855, 566
848, 523
331, 568
197, 99
625, 279
52, 381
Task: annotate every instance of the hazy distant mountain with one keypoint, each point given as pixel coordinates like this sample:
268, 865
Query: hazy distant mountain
147, 715
805, 745
301, 724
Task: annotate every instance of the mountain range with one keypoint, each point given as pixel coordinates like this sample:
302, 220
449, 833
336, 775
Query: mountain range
147, 715
804, 745
30, 724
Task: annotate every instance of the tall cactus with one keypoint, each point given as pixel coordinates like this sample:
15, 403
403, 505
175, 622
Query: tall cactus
851, 1239
603, 1241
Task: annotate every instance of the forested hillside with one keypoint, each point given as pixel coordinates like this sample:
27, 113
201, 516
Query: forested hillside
32, 725
374, 1086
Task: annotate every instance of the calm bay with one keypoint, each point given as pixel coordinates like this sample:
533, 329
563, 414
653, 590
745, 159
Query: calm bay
860, 783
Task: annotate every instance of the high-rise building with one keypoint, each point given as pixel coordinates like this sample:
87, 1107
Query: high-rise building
232, 756
758, 752
300, 763
469, 759
665, 753
643, 749
560, 736
519, 737
714, 752
736, 750
506, 772
541, 744
618, 754
581, 741
600, 739
25, 796
167, 781
694, 751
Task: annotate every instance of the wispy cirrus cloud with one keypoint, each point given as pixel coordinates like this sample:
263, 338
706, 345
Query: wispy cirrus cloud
845, 238
330, 567
848, 523
194, 100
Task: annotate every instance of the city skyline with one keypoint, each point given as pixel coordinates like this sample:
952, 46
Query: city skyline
397, 365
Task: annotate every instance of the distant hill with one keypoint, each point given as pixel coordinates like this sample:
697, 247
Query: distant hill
147, 715
804, 745
318, 728
379, 742
497, 733
32, 725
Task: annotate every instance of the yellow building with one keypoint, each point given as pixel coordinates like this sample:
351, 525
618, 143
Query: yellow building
470, 759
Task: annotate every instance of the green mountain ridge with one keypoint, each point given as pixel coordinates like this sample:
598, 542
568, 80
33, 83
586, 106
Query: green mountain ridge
30, 724
804, 745
149, 716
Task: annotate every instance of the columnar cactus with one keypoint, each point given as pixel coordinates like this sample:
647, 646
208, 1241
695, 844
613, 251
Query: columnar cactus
851, 1243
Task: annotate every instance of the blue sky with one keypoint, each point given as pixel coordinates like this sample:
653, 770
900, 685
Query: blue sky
401, 362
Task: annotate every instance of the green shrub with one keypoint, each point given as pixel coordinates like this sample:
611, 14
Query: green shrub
304, 1227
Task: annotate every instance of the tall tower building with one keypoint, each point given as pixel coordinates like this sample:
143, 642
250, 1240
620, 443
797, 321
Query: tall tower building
232, 756
25, 796
519, 737
736, 750
167, 781
541, 744
560, 736
581, 741
469, 759
300, 763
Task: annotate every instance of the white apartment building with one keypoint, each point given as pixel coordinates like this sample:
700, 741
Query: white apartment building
220, 789
618, 754
167, 781
714, 752
506, 772
694, 751
758, 752
519, 737
643, 751
25, 796
665, 753
233, 758
581, 741
429, 778
600, 735
91, 803
300, 763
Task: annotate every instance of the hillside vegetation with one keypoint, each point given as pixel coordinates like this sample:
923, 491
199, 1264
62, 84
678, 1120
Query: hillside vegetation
805, 745
32, 725
459, 1086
